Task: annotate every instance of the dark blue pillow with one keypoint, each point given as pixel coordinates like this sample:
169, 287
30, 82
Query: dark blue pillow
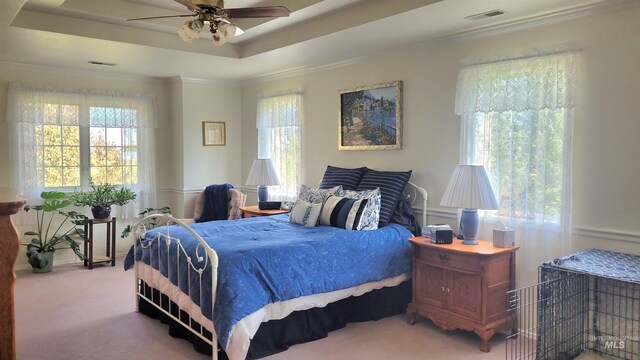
348, 178
391, 184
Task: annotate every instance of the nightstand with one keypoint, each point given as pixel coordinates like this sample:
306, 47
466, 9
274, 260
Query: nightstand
462, 286
254, 211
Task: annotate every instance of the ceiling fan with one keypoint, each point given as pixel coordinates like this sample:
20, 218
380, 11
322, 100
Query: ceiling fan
219, 19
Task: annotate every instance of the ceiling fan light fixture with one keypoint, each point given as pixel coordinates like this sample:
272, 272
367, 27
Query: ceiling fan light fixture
228, 31
190, 30
183, 35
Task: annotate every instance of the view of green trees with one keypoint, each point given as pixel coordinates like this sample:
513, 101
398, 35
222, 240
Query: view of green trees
523, 156
112, 147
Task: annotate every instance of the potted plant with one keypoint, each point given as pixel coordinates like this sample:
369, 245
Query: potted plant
66, 224
101, 196
152, 223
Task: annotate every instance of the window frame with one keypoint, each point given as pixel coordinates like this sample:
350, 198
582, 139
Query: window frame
84, 111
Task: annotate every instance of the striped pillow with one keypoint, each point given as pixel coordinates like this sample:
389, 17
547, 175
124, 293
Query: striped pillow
371, 215
391, 184
343, 212
348, 178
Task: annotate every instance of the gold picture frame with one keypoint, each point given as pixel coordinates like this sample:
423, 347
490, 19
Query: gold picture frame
371, 117
214, 133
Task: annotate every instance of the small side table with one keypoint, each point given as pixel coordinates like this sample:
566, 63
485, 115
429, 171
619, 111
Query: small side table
111, 243
254, 211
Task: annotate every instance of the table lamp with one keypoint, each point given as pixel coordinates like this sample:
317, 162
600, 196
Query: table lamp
263, 174
469, 189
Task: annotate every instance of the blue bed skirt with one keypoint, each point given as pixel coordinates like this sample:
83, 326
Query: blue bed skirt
300, 326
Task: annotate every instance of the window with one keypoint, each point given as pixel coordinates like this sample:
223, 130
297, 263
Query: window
58, 144
63, 139
113, 145
278, 122
517, 122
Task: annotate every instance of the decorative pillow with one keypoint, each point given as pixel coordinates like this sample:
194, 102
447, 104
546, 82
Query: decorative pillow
343, 212
304, 213
371, 215
391, 184
315, 196
348, 178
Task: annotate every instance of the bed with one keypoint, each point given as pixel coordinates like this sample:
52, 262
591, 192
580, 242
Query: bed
224, 281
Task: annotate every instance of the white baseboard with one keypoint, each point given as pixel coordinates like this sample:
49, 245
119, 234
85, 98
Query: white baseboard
119, 258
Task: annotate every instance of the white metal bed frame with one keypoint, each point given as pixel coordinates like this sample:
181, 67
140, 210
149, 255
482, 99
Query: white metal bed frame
202, 261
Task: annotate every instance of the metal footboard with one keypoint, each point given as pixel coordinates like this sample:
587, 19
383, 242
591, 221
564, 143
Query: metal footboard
205, 255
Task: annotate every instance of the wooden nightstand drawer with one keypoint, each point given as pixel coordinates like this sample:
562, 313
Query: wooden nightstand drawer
449, 260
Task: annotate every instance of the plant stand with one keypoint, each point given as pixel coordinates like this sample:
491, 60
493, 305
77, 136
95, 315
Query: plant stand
90, 260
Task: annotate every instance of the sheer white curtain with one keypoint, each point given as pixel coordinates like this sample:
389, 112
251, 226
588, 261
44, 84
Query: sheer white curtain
30, 107
279, 118
517, 122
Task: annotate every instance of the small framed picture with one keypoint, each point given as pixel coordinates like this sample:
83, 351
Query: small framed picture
371, 117
214, 133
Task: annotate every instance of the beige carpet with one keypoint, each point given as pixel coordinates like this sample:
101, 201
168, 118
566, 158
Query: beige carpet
73, 313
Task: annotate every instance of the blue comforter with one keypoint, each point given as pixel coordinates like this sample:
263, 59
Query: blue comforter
267, 259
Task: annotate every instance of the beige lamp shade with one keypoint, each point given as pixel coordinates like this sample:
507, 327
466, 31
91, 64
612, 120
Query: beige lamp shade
262, 173
469, 188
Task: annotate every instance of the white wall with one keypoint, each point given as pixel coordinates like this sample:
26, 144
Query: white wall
606, 146
195, 165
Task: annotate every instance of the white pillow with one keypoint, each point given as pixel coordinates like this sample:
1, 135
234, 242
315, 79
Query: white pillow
304, 213
317, 196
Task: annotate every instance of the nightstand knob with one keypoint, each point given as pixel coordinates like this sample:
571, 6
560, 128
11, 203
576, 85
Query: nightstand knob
442, 289
443, 257
448, 290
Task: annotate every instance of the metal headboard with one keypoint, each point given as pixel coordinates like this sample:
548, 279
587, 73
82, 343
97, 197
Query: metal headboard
411, 193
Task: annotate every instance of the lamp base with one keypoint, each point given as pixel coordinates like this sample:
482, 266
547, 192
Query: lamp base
263, 193
469, 226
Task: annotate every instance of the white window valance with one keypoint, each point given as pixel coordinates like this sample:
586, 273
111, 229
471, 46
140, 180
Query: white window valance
279, 110
545, 82
25, 105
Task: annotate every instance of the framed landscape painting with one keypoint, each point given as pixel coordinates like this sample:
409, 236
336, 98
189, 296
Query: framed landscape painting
371, 117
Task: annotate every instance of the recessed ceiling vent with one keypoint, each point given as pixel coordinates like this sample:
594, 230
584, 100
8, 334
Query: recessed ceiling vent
486, 15
93, 62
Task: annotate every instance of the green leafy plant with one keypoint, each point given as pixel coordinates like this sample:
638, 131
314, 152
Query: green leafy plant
103, 195
43, 238
152, 223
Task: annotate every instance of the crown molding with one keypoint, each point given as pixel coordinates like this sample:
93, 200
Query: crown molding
538, 21
303, 70
76, 71
483, 32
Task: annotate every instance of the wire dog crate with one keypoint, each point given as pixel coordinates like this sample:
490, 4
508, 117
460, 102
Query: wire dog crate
592, 307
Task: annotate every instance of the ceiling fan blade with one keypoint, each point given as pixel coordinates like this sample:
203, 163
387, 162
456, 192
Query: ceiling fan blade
188, 4
258, 12
161, 17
